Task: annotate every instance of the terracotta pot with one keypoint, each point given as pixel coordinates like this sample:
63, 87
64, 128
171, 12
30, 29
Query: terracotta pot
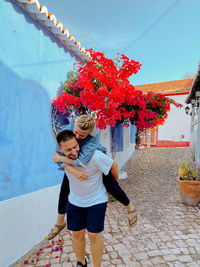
190, 191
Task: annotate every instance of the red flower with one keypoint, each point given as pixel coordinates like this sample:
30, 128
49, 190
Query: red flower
103, 86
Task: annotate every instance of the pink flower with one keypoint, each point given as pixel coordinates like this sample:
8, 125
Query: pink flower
26, 262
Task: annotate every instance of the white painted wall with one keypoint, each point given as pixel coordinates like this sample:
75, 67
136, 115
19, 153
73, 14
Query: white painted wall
25, 221
177, 123
105, 140
122, 156
193, 135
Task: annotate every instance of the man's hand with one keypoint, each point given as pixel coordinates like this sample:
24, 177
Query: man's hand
81, 176
57, 157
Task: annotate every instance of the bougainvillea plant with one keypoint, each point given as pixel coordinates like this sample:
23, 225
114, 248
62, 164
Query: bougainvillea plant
160, 105
102, 86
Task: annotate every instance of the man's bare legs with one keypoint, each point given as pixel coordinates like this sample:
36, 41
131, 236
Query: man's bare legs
79, 245
96, 246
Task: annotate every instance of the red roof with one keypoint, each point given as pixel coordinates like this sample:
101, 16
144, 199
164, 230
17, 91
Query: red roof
177, 86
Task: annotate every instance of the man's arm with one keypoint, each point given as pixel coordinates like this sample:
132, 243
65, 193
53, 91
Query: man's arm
114, 170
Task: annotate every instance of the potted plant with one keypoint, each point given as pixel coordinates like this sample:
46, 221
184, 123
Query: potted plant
189, 183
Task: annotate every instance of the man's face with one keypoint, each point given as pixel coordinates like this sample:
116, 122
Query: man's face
69, 148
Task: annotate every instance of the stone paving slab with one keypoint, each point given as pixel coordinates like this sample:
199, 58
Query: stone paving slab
167, 232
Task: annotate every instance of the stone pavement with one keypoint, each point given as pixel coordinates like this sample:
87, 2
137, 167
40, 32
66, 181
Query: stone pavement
167, 232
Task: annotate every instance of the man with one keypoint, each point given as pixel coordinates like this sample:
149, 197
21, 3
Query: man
87, 200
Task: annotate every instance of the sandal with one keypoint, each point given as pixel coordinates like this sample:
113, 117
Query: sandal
52, 234
132, 221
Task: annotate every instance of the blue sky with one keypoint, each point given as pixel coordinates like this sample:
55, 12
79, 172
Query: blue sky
168, 51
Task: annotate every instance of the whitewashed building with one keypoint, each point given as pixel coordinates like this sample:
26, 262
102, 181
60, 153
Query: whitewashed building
176, 130
193, 102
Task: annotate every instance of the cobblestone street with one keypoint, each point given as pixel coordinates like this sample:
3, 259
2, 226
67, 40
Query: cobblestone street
167, 232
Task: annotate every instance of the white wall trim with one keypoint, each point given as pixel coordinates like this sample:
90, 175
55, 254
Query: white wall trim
25, 221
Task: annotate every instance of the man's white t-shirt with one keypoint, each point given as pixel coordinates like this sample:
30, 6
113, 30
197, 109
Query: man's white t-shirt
91, 191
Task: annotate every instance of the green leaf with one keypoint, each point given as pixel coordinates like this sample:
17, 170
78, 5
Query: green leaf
184, 166
193, 174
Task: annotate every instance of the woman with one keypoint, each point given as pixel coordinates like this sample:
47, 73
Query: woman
88, 140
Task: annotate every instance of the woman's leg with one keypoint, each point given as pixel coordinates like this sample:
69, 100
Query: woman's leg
62, 203
63, 196
113, 187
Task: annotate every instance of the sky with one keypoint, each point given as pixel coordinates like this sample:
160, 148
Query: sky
163, 35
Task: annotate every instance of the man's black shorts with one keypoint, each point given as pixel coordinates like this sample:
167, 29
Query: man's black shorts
90, 218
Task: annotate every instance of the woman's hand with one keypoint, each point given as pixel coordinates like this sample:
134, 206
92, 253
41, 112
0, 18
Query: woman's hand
63, 159
81, 176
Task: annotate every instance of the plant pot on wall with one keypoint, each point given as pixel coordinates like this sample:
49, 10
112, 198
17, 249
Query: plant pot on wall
190, 191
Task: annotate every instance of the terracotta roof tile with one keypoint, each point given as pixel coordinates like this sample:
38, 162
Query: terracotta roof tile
40, 13
177, 86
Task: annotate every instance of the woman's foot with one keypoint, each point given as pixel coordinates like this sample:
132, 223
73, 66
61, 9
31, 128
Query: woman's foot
55, 231
132, 217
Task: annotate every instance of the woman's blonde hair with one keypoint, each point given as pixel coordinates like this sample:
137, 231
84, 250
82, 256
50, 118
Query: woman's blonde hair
86, 123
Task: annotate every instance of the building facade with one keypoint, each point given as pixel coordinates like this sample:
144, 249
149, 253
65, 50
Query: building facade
193, 102
176, 131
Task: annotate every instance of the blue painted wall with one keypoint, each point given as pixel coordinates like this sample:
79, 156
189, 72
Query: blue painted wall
33, 64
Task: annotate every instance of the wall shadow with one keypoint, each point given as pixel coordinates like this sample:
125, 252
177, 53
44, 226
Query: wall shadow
26, 138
